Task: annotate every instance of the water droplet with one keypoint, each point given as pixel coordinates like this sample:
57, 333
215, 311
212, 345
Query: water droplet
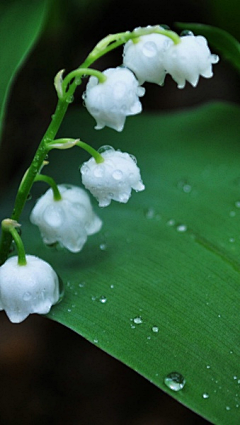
150, 213
103, 246
214, 58
232, 240
106, 148
81, 285
138, 320
228, 408
117, 174
84, 169
181, 228
175, 381
27, 296
149, 49
53, 216
232, 213
69, 310
70, 99
111, 286
208, 367
103, 299
61, 289
237, 204
186, 32
185, 186
171, 222
205, 395
99, 170
155, 329
95, 340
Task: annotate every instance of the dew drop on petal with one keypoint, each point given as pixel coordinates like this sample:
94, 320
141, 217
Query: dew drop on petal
27, 296
214, 58
186, 32
99, 171
117, 174
105, 148
175, 381
149, 49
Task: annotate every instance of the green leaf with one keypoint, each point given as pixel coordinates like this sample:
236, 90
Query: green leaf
221, 40
159, 287
20, 26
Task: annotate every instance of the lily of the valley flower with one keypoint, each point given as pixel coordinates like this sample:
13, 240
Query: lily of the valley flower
189, 59
145, 57
26, 289
67, 221
113, 100
112, 179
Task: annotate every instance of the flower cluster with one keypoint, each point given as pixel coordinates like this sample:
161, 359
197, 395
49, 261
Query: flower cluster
64, 214
147, 59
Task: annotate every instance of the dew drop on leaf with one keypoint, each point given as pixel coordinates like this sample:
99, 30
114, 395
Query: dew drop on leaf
103, 246
181, 228
205, 395
103, 299
138, 320
175, 381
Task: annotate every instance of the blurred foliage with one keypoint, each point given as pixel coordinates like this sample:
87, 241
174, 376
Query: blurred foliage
226, 15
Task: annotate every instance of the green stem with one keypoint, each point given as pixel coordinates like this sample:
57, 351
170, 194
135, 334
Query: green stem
9, 227
78, 73
96, 155
50, 181
113, 41
29, 177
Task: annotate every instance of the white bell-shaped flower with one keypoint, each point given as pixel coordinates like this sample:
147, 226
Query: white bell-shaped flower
26, 289
112, 101
189, 59
145, 57
68, 221
112, 179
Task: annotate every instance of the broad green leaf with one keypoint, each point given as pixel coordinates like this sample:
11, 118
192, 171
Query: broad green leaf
159, 287
219, 39
20, 25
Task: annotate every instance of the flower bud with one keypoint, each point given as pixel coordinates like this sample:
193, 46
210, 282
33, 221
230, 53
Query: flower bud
112, 179
145, 57
26, 289
189, 59
67, 221
113, 100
